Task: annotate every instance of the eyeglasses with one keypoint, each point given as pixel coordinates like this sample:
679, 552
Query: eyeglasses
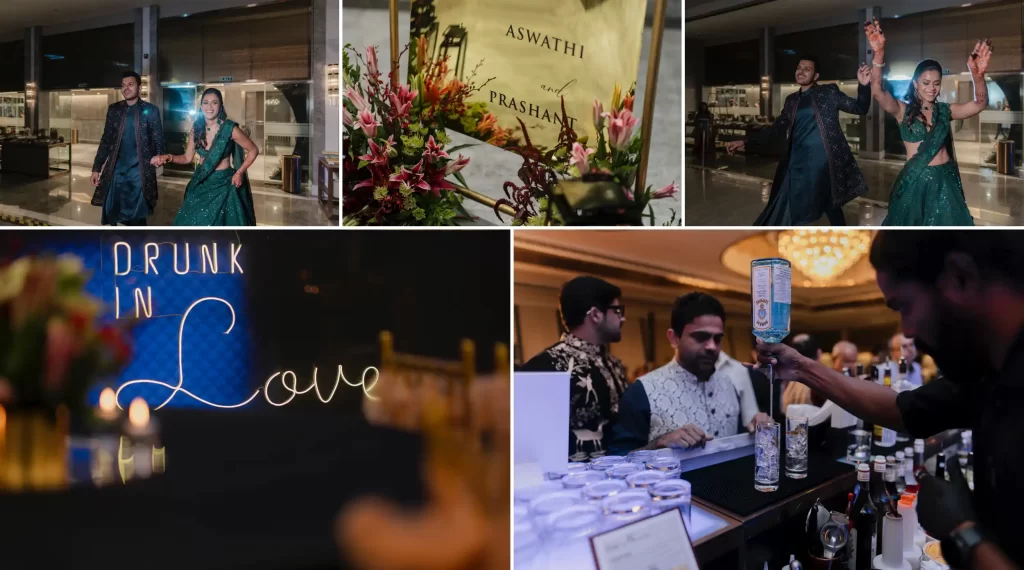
620, 310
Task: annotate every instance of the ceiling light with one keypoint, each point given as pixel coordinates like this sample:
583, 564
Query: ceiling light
824, 254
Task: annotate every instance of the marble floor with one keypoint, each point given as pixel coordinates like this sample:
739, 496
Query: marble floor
728, 191
490, 166
66, 200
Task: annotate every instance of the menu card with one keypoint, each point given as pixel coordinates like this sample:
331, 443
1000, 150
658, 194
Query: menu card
654, 543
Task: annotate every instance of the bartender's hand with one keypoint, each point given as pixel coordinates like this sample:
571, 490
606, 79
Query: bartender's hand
733, 146
784, 358
686, 437
943, 506
95, 178
759, 418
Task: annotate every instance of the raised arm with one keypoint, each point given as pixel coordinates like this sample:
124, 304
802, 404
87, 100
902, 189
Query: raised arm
862, 104
876, 39
978, 64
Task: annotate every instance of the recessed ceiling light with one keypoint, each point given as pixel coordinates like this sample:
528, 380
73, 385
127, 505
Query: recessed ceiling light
965, 5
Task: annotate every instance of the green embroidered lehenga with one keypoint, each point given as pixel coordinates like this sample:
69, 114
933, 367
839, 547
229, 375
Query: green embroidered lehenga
210, 198
929, 195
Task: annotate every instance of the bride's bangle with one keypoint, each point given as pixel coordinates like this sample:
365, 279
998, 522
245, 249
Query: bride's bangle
878, 64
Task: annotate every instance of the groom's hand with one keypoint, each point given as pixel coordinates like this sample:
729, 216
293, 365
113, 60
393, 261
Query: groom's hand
95, 178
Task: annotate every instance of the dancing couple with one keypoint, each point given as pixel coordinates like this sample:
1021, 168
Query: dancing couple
928, 191
124, 172
817, 172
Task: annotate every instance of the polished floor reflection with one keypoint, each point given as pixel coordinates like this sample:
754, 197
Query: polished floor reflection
65, 200
728, 191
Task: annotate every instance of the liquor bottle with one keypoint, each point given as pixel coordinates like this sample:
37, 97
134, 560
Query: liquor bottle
966, 447
903, 375
908, 470
877, 499
887, 377
940, 466
771, 283
969, 473
901, 477
865, 522
919, 462
890, 478
860, 370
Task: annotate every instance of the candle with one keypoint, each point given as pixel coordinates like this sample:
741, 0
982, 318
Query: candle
107, 410
138, 415
142, 429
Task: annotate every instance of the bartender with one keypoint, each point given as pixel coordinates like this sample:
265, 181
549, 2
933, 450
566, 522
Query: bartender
702, 394
960, 295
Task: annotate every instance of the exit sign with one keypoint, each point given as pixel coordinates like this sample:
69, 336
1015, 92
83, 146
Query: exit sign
227, 78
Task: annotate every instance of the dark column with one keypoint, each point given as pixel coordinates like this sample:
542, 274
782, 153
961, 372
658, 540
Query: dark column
872, 125
147, 62
766, 65
33, 76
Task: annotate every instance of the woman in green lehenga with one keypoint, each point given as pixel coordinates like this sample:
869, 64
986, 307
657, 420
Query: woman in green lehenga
219, 193
928, 191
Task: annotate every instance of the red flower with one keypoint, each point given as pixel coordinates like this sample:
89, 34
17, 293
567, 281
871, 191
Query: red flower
79, 321
413, 178
437, 182
434, 151
379, 154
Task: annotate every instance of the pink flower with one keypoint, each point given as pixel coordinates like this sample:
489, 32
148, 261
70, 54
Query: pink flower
346, 117
437, 182
413, 178
629, 193
434, 151
357, 100
368, 123
457, 165
580, 158
379, 154
371, 60
620, 128
666, 192
598, 115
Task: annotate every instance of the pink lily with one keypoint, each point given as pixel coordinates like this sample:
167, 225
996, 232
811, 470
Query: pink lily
401, 100
346, 117
456, 165
598, 115
580, 157
666, 192
379, 154
413, 178
437, 182
620, 128
368, 123
357, 100
434, 151
371, 61
629, 193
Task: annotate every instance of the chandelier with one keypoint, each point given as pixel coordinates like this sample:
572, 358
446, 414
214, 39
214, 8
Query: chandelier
824, 254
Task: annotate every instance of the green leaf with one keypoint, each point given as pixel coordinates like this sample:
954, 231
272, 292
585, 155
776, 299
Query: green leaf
458, 176
461, 147
363, 164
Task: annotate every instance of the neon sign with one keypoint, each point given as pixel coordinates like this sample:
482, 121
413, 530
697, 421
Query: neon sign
219, 383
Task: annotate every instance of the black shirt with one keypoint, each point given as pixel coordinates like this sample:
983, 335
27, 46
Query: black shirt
598, 380
993, 408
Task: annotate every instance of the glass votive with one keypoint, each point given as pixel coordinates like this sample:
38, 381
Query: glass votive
527, 494
642, 456
604, 463
644, 479
556, 501
578, 480
623, 470
526, 542
667, 465
573, 522
596, 492
672, 494
576, 467
627, 506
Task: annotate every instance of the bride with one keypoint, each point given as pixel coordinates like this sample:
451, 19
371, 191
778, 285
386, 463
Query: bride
928, 191
219, 193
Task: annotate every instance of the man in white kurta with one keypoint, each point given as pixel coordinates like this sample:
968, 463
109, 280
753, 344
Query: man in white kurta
698, 396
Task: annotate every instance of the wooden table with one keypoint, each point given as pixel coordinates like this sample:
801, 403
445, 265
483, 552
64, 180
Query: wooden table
329, 202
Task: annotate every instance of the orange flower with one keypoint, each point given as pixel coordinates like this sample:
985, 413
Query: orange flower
627, 103
488, 123
421, 52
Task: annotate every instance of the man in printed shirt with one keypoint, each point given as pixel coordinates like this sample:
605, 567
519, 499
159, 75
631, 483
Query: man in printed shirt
702, 394
592, 313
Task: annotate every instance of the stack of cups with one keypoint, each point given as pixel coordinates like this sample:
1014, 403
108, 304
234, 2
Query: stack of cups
911, 552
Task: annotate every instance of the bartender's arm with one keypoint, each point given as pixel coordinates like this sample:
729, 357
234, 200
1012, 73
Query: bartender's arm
924, 412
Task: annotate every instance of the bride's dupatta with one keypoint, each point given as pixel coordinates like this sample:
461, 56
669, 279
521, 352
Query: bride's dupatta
220, 149
941, 136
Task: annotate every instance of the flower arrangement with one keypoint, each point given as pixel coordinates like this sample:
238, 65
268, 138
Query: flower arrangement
395, 163
51, 344
615, 157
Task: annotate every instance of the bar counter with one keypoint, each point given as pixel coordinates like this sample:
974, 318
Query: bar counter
728, 514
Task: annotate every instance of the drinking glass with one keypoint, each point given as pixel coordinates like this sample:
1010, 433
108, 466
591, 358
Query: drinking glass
622, 470
796, 447
644, 479
859, 449
572, 522
667, 465
548, 503
641, 456
672, 494
597, 492
627, 506
578, 480
766, 457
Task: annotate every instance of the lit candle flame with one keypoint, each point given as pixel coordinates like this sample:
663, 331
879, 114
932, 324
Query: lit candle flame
108, 402
138, 413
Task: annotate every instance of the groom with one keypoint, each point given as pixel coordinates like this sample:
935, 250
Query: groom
125, 180
818, 172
